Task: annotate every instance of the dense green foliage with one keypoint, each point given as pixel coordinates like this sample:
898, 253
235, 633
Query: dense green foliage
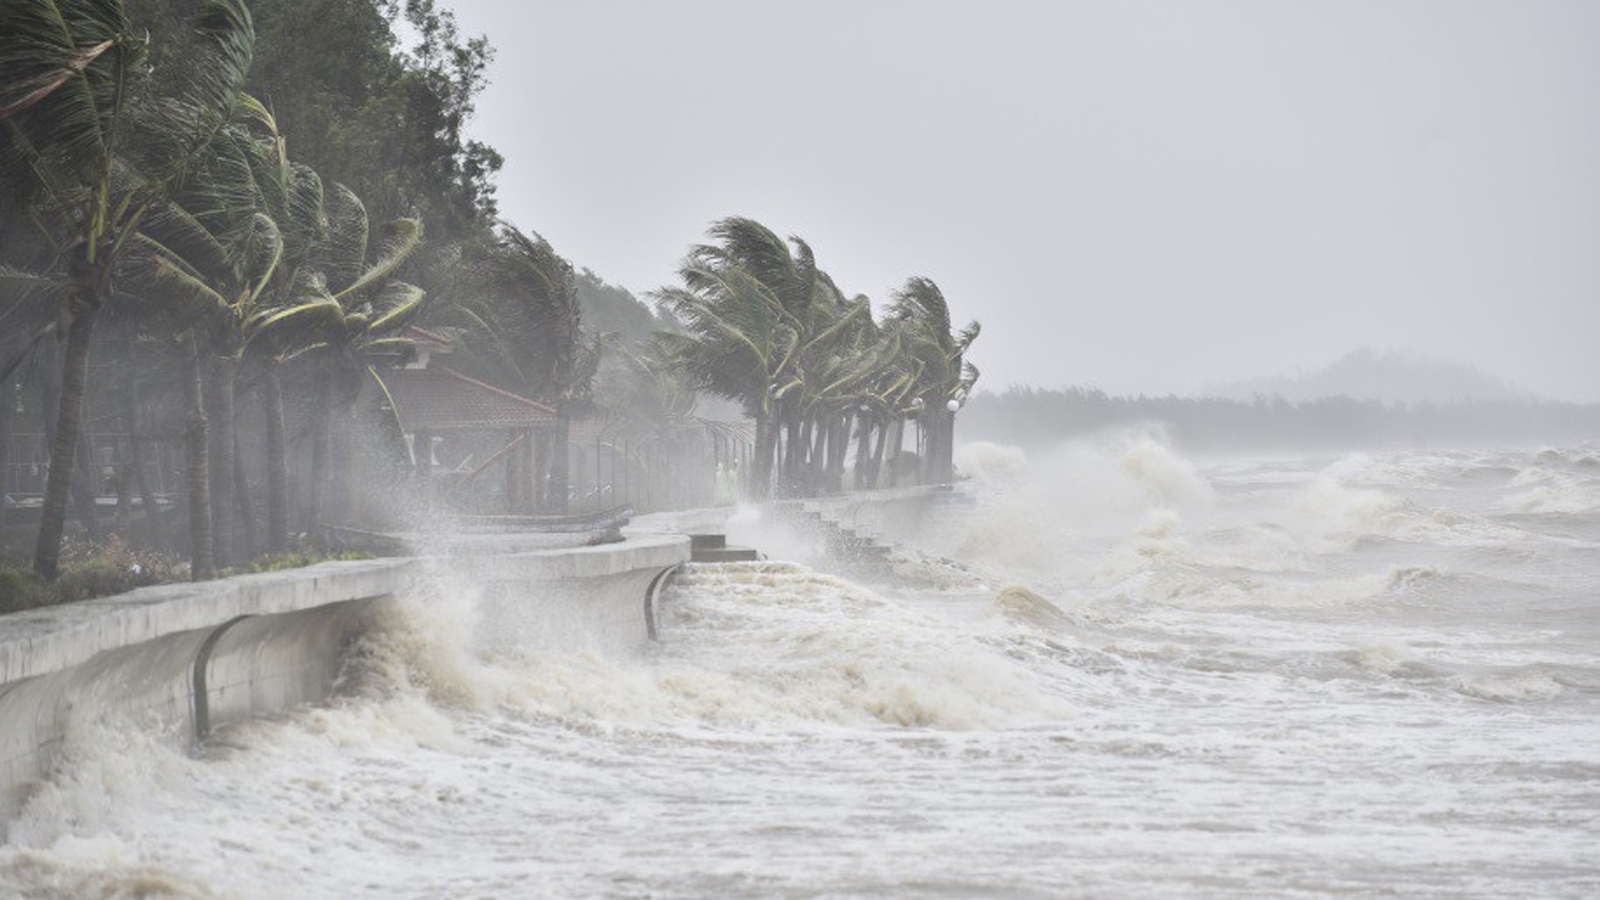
765, 326
359, 107
258, 205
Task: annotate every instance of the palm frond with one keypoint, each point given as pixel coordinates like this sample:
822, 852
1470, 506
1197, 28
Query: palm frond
404, 235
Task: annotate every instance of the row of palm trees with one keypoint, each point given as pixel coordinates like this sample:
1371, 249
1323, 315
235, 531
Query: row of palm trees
168, 206
173, 210
765, 326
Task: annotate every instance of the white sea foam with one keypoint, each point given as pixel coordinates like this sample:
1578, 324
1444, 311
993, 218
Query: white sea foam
1375, 675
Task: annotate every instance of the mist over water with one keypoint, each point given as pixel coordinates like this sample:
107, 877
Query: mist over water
1359, 675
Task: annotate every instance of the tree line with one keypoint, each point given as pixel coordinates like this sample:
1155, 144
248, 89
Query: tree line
234, 223
1039, 418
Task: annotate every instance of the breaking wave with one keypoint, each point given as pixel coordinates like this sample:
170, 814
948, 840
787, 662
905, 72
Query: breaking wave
1184, 657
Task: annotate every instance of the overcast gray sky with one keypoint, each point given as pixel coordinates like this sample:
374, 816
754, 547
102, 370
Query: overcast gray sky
1143, 196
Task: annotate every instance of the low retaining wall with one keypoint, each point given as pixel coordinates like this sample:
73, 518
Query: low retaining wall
181, 660
582, 598
178, 659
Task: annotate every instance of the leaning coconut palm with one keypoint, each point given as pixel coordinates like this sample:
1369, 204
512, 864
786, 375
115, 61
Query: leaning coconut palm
208, 255
885, 402
521, 300
735, 344
348, 317
294, 199
945, 377
803, 297
832, 367
797, 321
88, 160
235, 245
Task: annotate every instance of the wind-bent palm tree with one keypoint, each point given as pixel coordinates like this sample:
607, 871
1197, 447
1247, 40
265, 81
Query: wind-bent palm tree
767, 327
735, 345
230, 252
521, 300
209, 254
945, 377
295, 200
88, 156
348, 315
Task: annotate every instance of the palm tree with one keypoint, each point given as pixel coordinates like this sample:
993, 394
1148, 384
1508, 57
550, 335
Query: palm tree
88, 158
345, 311
945, 377
521, 299
735, 344
886, 400
294, 197
210, 253
764, 324
236, 245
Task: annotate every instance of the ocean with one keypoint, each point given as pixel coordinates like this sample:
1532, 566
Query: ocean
1118, 673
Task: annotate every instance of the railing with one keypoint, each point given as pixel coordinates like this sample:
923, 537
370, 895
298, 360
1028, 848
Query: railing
108, 455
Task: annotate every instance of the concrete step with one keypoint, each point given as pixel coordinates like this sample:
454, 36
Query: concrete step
724, 554
707, 541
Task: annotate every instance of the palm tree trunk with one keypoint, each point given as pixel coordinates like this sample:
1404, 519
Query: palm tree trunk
946, 447
196, 475
863, 450
8, 403
821, 423
154, 533
794, 445
838, 449
897, 447
277, 463
64, 448
321, 410
559, 439
221, 462
341, 448
875, 468
249, 541
82, 491
761, 465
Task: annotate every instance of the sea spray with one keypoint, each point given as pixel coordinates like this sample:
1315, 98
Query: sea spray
1021, 605
778, 645
1265, 688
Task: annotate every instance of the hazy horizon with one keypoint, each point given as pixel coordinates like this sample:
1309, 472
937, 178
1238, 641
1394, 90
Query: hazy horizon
1143, 197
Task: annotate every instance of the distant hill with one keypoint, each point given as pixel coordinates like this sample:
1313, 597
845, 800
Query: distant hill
1387, 377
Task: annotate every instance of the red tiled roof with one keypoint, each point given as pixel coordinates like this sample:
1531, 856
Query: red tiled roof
442, 399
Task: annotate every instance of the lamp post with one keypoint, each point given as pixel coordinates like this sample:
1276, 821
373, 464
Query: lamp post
947, 440
918, 407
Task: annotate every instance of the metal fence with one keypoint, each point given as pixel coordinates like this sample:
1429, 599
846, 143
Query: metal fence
108, 455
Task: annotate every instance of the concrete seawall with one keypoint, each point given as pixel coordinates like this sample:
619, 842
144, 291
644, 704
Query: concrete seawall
582, 598
180, 660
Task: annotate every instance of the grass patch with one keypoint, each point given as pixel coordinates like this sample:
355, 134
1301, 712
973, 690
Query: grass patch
89, 571
301, 560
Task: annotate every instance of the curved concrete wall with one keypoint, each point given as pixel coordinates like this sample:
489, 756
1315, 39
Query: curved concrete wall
177, 659
180, 660
583, 598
